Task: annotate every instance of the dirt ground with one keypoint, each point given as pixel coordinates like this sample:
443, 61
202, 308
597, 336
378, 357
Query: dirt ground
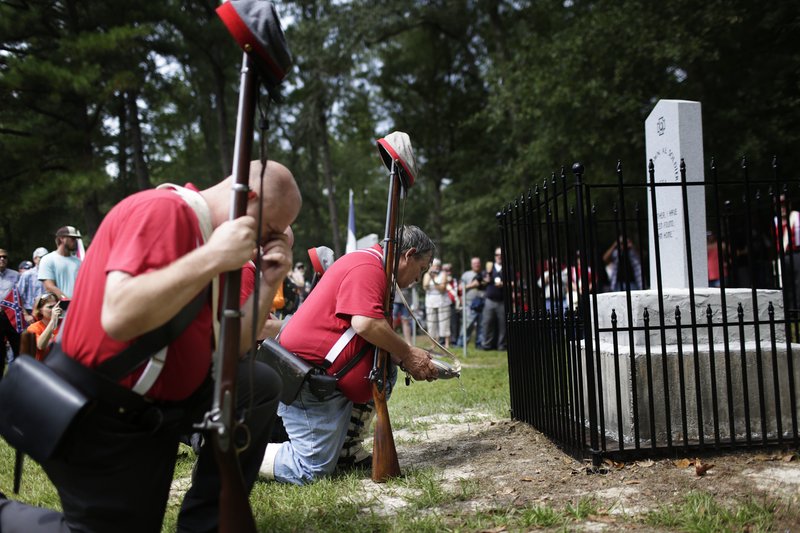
517, 466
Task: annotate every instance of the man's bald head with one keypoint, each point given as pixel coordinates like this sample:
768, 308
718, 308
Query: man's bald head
280, 195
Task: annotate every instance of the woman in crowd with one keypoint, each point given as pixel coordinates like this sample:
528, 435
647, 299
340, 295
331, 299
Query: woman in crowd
437, 303
48, 313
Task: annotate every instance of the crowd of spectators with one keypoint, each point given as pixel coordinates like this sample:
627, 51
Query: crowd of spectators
34, 297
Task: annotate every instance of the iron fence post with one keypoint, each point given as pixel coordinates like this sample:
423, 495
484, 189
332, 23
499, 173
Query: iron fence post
591, 392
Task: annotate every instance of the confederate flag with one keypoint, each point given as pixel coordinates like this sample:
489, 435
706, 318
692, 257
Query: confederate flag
12, 306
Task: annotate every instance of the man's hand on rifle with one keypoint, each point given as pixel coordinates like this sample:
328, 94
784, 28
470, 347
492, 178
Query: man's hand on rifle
233, 243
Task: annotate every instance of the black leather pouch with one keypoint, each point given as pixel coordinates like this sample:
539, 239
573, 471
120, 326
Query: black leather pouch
39, 407
322, 385
293, 370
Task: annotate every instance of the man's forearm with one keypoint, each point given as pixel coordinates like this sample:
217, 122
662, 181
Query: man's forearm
134, 305
51, 287
377, 331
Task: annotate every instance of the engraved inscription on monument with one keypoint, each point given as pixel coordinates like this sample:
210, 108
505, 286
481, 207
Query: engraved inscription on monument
674, 131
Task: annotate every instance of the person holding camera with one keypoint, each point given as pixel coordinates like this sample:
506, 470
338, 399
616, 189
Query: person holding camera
474, 286
47, 312
437, 303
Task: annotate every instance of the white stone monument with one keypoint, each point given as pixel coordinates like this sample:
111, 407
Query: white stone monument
724, 379
674, 131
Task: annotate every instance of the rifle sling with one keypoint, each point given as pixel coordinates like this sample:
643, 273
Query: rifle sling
129, 359
350, 364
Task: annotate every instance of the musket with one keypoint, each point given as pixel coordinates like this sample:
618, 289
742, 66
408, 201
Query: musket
255, 26
385, 464
235, 514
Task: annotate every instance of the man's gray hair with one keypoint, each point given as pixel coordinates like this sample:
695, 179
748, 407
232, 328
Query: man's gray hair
413, 237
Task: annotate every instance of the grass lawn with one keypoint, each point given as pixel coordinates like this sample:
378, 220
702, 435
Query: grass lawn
424, 498
332, 504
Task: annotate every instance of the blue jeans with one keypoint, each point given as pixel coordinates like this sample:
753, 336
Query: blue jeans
473, 323
316, 430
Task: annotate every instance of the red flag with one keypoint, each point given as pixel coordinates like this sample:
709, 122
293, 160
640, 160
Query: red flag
12, 306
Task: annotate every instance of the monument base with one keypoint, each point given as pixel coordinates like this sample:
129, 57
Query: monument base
695, 388
722, 402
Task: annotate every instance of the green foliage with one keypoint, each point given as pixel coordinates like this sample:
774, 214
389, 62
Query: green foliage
701, 513
103, 99
483, 385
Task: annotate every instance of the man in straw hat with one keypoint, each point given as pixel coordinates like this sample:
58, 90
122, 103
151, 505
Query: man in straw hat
334, 330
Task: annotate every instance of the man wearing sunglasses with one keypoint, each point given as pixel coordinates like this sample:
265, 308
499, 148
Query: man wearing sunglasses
8, 276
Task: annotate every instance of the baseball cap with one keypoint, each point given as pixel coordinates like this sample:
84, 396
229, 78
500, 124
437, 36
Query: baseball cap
68, 231
40, 252
25, 265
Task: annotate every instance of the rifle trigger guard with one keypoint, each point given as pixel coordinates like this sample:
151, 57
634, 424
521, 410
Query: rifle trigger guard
245, 430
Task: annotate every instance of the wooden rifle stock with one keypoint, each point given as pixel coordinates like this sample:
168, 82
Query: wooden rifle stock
235, 514
384, 454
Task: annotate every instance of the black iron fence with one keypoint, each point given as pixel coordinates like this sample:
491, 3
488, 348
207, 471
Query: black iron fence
609, 357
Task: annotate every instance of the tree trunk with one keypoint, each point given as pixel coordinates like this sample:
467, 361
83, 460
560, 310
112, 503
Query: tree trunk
139, 163
327, 165
123, 176
226, 155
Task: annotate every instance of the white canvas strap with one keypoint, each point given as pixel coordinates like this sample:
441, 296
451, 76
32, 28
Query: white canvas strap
339, 346
156, 363
151, 372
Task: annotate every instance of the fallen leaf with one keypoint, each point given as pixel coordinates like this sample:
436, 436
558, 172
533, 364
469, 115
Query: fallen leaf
632, 482
700, 469
684, 463
788, 458
614, 464
646, 464
498, 529
526, 479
